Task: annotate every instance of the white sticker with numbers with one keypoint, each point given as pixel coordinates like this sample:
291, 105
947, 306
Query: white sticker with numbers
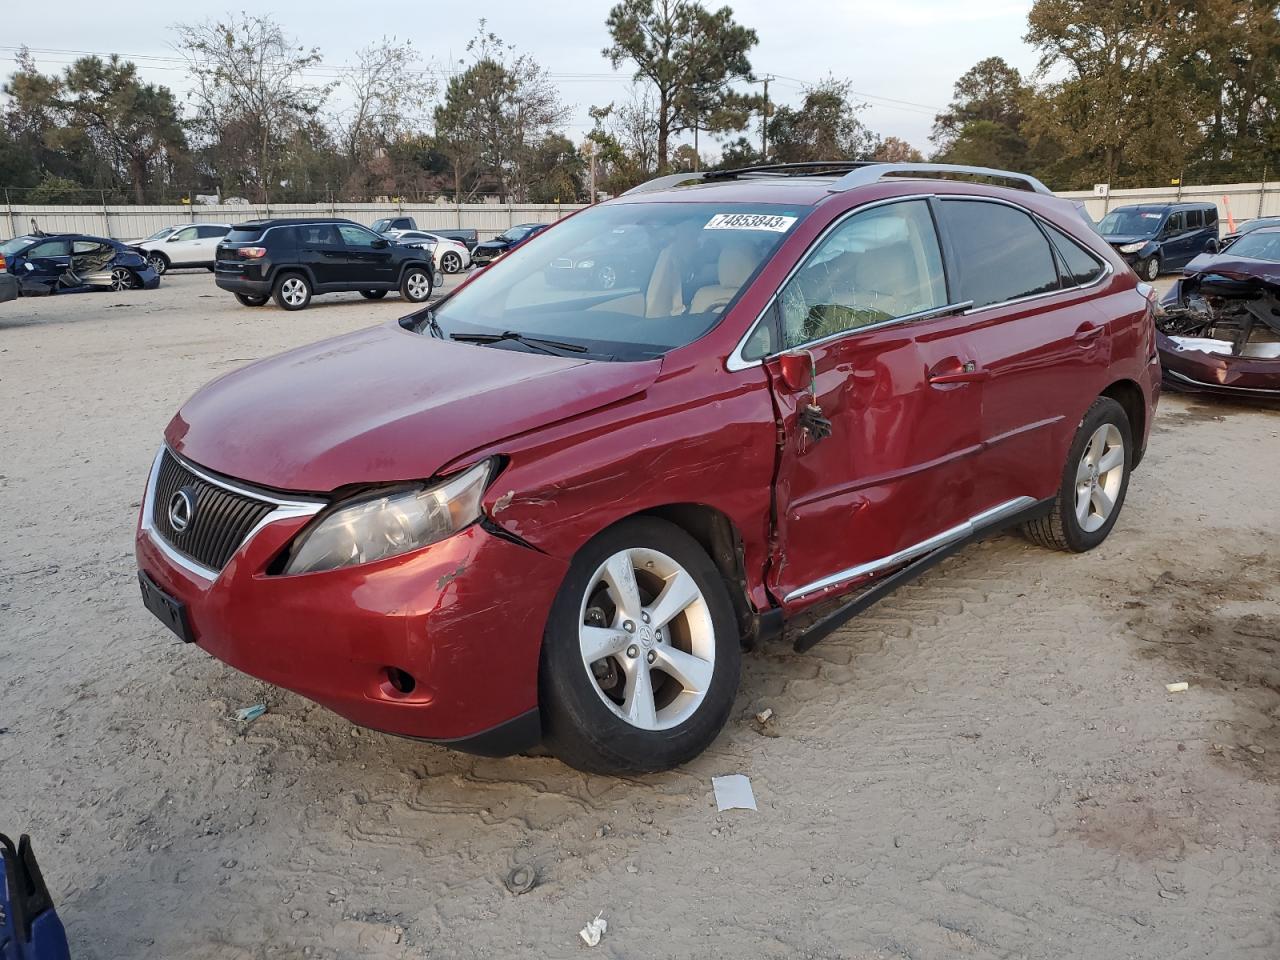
750, 221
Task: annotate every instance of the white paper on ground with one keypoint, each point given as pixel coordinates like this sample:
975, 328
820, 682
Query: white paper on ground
733, 792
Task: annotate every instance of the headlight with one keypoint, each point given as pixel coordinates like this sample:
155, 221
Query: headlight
385, 524
586, 264
1133, 247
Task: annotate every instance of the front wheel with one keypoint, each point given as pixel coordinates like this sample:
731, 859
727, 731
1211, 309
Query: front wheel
415, 286
122, 278
1094, 482
641, 653
158, 263
1149, 269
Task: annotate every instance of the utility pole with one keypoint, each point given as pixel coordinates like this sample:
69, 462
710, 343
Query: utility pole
764, 124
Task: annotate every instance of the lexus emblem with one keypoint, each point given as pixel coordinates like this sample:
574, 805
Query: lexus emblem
182, 507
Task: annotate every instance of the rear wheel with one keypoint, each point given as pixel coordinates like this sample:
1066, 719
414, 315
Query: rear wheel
292, 292
373, 294
1094, 482
247, 301
415, 285
641, 654
451, 262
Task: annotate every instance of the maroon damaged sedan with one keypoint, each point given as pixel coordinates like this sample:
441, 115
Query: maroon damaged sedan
532, 512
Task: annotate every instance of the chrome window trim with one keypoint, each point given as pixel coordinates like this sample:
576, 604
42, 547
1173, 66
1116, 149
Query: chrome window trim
736, 361
915, 551
284, 510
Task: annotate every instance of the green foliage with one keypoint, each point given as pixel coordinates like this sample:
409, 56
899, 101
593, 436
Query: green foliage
55, 190
689, 56
824, 127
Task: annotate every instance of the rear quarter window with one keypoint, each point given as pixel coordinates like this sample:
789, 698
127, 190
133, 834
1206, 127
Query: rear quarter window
1078, 267
1000, 252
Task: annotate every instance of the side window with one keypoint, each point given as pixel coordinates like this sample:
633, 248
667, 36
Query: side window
1001, 253
1211, 217
208, 233
877, 265
50, 248
1172, 225
317, 235
186, 233
1195, 219
86, 247
1079, 267
357, 236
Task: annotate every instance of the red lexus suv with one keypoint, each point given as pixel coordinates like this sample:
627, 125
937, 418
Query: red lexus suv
559, 512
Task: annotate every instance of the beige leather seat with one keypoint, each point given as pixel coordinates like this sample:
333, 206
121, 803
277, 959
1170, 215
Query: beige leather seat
885, 280
732, 270
664, 297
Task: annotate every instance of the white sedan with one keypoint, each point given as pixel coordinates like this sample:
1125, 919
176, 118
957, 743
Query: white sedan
450, 255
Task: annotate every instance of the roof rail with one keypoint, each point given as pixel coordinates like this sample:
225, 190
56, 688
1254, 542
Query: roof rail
662, 183
875, 172
799, 168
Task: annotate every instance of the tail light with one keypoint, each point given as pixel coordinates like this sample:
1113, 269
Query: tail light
1152, 296
3, 265
252, 253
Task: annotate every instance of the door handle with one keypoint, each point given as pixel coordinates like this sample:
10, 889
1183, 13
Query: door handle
1087, 334
967, 371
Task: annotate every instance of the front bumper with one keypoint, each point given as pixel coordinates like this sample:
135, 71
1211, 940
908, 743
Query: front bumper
1194, 371
463, 617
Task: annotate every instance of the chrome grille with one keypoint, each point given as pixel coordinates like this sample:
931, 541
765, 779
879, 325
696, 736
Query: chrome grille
220, 520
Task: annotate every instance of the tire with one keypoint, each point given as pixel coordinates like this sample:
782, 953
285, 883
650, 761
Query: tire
1079, 520
159, 263
451, 262
122, 278
415, 285
292, 291
585, 704
1150, 268
248, 301
373, 294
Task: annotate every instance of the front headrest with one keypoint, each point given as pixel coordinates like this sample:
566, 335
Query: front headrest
735, 265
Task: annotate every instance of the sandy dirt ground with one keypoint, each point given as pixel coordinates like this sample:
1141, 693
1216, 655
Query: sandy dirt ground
985, 765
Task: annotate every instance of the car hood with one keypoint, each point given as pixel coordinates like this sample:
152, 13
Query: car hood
1120, 239
383, 405
1237, 268
493, 245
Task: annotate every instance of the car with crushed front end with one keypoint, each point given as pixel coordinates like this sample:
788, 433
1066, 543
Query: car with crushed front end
1218, 331
292, 260
483, 254
46, 264
536, 513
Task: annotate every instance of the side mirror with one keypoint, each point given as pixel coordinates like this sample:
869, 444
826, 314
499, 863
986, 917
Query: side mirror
380, 244
798, 370
172, 237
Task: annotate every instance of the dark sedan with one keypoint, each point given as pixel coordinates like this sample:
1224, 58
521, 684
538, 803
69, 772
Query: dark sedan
1248, 227
73, 262
489, 251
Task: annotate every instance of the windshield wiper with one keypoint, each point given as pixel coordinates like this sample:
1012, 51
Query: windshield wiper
538, 343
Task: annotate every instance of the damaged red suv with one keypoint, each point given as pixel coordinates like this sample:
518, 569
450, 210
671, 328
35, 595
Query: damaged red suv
557, 512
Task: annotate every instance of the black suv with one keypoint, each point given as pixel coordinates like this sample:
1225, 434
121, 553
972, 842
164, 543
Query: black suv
291, 260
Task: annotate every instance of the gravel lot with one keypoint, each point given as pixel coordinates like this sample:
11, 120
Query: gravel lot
985, 765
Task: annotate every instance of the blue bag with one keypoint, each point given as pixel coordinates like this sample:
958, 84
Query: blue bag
29, 926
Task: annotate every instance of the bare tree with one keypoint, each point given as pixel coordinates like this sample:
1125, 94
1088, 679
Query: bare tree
250, 93
391, 98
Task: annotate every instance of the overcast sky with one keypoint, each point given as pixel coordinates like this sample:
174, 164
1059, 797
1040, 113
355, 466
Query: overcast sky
901, 56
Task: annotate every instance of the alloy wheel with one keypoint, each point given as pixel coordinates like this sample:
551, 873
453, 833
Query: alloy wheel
121, 279
418, 285
294, 291
1153, 268
158, 264
451, 263
1099, 477
647, 639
